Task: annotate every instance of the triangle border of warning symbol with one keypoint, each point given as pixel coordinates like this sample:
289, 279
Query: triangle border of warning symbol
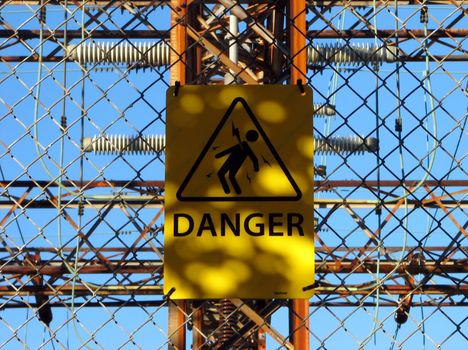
207, 147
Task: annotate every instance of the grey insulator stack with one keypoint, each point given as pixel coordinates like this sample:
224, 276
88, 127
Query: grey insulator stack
153, 144
156, 54
152, 54
345, 145
350, 54
116, 144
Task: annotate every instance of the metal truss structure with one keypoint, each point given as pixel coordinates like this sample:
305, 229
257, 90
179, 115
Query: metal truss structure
82, 184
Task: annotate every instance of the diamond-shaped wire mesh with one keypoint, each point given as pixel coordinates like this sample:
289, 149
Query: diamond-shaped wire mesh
82, 120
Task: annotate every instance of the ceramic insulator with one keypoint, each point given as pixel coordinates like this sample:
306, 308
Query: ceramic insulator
152, 144
350, 54
345, 145
116, 144
153, 54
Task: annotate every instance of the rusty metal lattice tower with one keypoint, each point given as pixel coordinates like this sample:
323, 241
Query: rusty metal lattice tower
82, 122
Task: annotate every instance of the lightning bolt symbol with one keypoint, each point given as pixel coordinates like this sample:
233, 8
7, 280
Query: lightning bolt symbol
235, 132
248, 178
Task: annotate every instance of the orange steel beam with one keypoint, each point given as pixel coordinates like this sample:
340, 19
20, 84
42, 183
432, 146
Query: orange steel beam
343, 302
299, 323
177, 324
124, 250
164, 33
156, 290
178, 41
261, 335
298, 308
178, 73
298, 41
18, 304
155, 201
197, 332
154, 267
144, 3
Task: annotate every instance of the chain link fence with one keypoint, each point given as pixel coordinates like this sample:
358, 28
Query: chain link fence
82, 120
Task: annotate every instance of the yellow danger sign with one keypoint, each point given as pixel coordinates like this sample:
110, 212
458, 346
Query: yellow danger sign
239, 192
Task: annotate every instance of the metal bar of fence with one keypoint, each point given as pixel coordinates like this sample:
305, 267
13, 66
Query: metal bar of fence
153, 267
110, 290
145, 3
18, 304
164, 34
160, 183
155, 202
401, 58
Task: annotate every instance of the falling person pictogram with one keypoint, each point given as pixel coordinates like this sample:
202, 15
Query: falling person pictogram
237, 163
238, 154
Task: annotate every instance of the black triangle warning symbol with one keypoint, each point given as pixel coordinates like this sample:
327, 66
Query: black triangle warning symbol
239, 163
